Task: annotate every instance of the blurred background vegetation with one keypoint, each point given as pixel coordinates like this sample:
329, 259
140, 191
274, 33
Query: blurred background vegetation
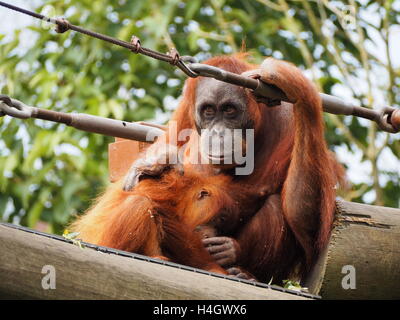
49, 173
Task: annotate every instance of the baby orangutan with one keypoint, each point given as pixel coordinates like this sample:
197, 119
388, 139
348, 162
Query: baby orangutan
159, 216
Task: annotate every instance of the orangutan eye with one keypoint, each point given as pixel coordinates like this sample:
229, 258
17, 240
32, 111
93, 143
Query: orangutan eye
208, 111
229, 111
222, 218
203, 193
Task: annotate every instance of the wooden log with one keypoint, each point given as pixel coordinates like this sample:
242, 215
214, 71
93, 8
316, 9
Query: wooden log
91, 274
367, 238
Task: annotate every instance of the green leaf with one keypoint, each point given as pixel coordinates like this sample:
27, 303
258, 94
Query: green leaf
116, 109
3, 204
34, 214
192, 7
11, 162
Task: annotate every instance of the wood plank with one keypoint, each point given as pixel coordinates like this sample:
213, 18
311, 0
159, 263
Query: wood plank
366, 237
90, 274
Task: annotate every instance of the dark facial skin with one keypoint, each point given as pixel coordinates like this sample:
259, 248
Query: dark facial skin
221, 108
221, 105
222, 224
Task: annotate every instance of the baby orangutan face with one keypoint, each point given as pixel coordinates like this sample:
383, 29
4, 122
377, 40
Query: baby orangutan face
215, 206
221, 214
207, 231
222, 224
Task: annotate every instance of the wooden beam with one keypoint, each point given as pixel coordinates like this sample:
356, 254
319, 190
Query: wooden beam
90, 274
367, 238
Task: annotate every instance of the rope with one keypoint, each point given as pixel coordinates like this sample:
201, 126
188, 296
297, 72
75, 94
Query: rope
63, 25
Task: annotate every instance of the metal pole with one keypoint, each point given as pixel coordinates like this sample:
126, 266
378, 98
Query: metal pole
387, 118
81, 121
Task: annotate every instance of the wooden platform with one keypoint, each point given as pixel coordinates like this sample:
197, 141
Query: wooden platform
99, 273
365, 237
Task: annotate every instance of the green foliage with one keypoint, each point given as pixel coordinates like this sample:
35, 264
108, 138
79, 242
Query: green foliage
73, 238
293, 285
51, 172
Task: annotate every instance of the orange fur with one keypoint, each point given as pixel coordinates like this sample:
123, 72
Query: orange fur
293, 168
294, 172
158, 217
309, 189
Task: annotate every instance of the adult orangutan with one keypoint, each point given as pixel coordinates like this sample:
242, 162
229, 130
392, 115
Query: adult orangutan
293, 167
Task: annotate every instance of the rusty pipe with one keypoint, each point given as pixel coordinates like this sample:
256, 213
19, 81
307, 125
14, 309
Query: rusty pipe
330, 104
81, 121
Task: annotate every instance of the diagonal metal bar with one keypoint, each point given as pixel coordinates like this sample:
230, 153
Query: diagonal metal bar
387, 118
81, 121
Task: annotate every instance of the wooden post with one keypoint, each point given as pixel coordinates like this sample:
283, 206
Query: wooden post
121, 154
366, 238
90, 274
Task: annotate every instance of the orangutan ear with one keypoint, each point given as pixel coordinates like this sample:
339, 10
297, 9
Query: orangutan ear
203, 193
